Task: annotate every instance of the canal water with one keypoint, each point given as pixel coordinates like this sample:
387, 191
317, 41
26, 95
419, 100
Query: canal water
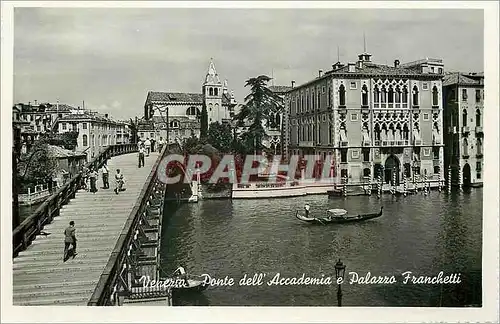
421, 234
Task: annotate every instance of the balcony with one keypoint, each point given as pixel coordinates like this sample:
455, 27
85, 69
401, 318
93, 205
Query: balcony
344, 144
377, 143
465, 130
435, 162
479, 155
465, 155
479, 129
417, 142
452, 130
385, 143
436, 141
306, 144
366, 143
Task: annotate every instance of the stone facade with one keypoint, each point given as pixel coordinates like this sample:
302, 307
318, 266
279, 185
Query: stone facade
180, 107
374, 119
463, 111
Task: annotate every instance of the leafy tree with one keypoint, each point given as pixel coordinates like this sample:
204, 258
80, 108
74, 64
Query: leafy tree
37, 166
259, 107
220, 136
204, 122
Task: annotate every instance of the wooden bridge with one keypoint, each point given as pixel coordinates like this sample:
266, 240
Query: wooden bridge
118, 238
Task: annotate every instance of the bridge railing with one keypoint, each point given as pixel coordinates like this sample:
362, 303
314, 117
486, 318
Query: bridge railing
27, 231
118, 276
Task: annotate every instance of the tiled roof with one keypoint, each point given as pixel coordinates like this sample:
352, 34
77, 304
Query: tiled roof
59, 152
181, 97
458, 78
279, 88
377, 69
61, 108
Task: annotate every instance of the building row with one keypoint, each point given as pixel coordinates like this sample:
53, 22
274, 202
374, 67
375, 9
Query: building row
389, 122
94, 131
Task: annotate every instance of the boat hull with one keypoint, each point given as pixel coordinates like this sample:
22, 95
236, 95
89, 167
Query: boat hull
338, 220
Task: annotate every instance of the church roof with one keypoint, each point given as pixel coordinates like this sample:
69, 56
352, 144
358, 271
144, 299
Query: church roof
181, 97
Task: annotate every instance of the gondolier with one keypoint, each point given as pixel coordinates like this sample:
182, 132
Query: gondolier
306, 209
182, 275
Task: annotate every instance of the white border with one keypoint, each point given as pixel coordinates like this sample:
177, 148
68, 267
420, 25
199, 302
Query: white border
489, 311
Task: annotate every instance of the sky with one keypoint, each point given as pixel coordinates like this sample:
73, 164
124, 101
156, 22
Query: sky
111, 57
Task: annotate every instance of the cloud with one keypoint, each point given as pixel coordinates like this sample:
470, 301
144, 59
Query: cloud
113, 57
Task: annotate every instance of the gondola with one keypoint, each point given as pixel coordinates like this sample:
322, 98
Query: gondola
338, 216
196, 284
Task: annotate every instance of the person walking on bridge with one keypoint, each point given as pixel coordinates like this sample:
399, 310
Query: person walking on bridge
93, 180
69, 239
118, 181
147, 143
141, 155
105, 175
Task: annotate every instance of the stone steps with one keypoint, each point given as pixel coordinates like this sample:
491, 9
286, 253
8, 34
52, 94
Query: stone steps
57, 255
53, 285
59, 300
53, 263
83, 290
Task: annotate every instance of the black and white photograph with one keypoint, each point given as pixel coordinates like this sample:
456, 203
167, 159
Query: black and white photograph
300, 161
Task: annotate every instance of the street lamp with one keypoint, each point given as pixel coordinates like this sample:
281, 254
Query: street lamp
339, 273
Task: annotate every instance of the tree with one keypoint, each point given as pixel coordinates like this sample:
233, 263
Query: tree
67, 140
259, 107
37, 166
204, 122
220, 136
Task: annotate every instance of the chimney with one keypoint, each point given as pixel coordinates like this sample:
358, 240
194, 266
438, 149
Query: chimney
396, 63
360, 64
320, 72
106, 115
351, 68
293, 83
35, 102
29, 103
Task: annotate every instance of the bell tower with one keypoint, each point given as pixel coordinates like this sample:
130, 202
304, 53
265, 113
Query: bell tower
212, 94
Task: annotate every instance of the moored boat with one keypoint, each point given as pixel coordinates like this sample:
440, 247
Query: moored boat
195, 284
338, 216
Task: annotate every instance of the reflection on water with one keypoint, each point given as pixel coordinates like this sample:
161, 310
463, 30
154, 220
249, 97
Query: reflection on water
421, 234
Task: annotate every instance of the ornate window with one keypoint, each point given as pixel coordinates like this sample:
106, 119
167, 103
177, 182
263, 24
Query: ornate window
174, 124
464, 118
192, 111
216, 91
85, 140
364, 96
435, 101
415, 96
390, 98
478, 118
397, 97
376, 95
465, 147
210, 91
404, 97
383, 97
342, 95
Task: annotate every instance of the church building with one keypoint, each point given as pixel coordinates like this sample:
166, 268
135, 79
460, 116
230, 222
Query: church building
176, 115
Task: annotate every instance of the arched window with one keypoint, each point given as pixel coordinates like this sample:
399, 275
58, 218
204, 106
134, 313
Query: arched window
319, 99
464, 118
479, 145
364, 96
478, 118
99, 141
216, 91
435, 97
404, 97
211, 91
397, 98
383, 97
415, 96
342, 95
390, 98
377, 132
85, 140
192, 111
465, 147
174, 124
313, 101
